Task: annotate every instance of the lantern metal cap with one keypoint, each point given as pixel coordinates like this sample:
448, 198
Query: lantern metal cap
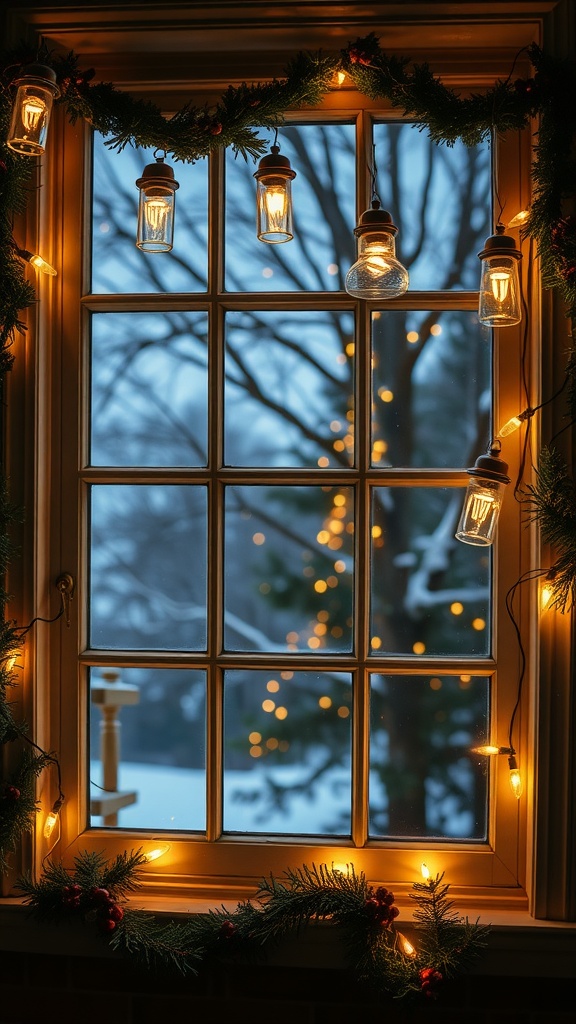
375, 219
500, 244
275, 163
491, 466
39, 74
158, 173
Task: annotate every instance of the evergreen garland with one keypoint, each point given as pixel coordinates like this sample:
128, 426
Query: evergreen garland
95, 892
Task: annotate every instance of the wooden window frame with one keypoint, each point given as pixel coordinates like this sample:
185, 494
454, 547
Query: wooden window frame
512, 871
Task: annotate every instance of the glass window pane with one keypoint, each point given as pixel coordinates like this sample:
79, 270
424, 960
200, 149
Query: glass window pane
287, 745
288, 569
431, 382
424, 780
442, 196
430, 593
148, 568
323, 196
149, 389
289, 389
117, 265
161, 717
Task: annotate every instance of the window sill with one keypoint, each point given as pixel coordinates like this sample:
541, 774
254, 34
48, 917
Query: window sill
518, 945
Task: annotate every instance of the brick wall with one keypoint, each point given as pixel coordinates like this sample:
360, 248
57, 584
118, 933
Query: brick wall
39, 988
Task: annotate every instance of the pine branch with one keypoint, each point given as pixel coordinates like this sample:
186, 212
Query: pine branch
155, 945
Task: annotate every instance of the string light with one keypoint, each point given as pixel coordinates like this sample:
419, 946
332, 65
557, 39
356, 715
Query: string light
499, 304
483, 498
488, 750
377, 274
37, 90
515, 422
274, 197
424, 871
52, 818
156, 852
36, 261
156, 205
405, 946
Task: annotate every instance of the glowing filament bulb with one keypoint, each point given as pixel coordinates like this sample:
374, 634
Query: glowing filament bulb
515, 777
157, 210
275, 203
510, 426
481, 506
157, 852
406, 946
487, 750
33, 109
500, 281
424, 872
375, 259
50, 824
42, 265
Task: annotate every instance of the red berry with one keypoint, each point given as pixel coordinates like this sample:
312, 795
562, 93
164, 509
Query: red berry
11, 793
216, 128
107, 924
115, 912
227, 929
100, 895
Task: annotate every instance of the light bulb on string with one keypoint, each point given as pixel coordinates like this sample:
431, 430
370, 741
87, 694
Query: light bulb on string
405, 946
377, 274
36, 261
274, 197
52, 818
499, 304
483, 500
515, 777
489, 750
37, 89
156, 852
514, 423
547, 590
157, 203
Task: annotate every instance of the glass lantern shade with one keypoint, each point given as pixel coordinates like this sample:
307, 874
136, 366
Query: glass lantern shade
499, 304
274, 198
377, 274
156, 207
483, 500
36, 92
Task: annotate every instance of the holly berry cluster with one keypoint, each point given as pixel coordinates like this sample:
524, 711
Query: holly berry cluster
227, 929
11, 793
430, 980
380, 907
99, 905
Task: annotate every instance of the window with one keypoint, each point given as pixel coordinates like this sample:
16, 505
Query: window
261, 478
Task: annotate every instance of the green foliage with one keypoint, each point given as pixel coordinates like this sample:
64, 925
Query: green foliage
364, 916
551, 503
17, 801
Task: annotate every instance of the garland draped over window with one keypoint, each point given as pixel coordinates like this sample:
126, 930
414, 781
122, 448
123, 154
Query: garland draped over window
97, 889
